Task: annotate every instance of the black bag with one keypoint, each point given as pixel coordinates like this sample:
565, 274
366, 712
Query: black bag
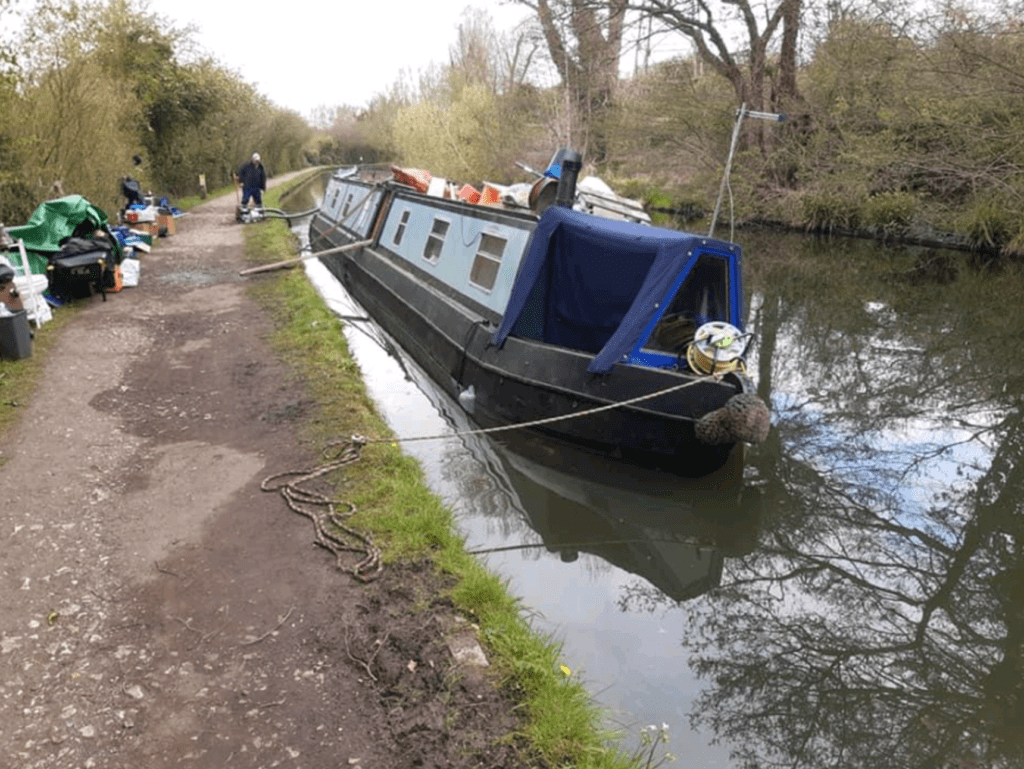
78, 268
130, 189
74, 246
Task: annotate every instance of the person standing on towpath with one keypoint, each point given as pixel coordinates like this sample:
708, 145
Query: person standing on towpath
253, 178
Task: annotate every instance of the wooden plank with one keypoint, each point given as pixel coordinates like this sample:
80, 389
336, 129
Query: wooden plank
292, 262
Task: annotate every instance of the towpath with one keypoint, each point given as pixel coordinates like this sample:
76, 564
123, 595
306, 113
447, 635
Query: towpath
157, 609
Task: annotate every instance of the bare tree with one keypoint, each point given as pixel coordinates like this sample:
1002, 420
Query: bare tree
501, 61
584, 40
710, 26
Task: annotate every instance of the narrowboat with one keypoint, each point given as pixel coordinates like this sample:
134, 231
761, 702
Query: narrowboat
600, 330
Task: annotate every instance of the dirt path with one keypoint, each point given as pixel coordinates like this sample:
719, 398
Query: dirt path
158, 609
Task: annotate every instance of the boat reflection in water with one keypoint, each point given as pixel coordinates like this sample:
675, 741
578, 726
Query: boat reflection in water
672, 532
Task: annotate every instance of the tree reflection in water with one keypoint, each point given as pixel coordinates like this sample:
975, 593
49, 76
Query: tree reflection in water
881, 620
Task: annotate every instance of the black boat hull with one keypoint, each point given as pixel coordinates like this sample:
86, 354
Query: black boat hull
526, 381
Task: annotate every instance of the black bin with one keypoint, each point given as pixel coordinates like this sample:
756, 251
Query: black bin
15, 336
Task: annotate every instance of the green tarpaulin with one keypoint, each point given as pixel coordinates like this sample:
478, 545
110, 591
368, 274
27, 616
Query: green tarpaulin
56, 220
53, 222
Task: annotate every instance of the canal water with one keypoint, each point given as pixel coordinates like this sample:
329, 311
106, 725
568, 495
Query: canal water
854, 593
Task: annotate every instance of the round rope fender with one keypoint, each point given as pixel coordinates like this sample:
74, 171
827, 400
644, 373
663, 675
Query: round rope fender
744, 417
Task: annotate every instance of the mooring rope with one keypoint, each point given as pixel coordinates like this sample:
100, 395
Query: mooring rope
346, 217
545, 421
326, 519
570, 545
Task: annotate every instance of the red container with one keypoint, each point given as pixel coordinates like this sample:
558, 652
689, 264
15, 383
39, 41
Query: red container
416, 178
469, 193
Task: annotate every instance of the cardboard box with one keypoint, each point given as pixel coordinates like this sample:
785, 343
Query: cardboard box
166, 220
148, 228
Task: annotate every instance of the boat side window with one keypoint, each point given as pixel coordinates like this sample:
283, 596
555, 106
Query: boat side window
484, 272
400, 229
334, 199
435, 240
348, 203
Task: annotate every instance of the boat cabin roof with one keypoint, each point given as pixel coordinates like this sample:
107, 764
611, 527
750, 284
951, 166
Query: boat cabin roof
600, 285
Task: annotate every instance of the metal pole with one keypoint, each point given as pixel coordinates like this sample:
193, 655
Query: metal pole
728, 167
777, 117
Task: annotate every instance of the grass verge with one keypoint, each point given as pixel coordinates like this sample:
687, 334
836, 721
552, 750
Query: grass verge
563, 725
20, 378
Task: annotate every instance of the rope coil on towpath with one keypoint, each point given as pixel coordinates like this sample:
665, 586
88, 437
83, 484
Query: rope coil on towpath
327, 520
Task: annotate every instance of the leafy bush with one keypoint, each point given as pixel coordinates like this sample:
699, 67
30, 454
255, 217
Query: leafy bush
990, 224
890, 210
828, 210
636, 187
17, 201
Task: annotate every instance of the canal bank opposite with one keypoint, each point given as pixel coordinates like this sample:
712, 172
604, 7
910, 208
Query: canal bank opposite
159, 608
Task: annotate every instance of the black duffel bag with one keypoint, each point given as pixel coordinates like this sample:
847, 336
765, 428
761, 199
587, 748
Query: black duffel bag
79, 268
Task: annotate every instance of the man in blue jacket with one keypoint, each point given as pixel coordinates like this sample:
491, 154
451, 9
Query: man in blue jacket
253, 178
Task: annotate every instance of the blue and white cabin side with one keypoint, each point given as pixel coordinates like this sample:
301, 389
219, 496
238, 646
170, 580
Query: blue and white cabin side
352, 204
621, 291
473, 250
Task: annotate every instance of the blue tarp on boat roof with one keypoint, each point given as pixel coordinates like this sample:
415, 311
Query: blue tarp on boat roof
596, 284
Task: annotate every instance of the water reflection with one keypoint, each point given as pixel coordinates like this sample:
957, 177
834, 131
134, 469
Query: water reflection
671, 534
879, 622
305, 196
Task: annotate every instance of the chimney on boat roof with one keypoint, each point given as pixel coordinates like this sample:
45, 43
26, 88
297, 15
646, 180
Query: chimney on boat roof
571, 162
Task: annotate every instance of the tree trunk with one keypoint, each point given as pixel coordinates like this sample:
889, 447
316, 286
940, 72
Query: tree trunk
590, 73
787, 90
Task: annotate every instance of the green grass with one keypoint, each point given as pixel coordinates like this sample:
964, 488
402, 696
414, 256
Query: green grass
19, 378
563, 724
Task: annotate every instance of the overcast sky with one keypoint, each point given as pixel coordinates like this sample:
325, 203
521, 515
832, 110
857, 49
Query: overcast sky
302, 54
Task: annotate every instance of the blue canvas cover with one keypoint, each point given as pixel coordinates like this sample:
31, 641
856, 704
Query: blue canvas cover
595, 284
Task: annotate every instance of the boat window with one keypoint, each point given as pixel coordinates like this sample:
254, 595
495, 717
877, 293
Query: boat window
702, 298
400, 230
435, 240
487, 261
348, 202
334, 199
